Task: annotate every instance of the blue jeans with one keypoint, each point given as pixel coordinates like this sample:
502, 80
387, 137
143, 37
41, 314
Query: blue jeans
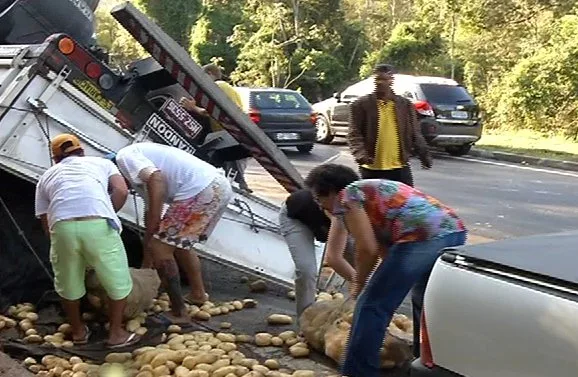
407, 265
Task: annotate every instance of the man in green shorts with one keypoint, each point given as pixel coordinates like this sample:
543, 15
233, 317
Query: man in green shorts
76, 201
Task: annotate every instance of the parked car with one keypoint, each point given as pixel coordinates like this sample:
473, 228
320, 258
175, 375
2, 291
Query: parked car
506, 308
448, 115
283, 114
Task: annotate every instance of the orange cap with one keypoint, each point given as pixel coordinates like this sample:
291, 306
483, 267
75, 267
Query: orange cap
64, 144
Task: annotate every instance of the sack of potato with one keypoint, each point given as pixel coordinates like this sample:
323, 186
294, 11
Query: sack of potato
325, 325
146, 283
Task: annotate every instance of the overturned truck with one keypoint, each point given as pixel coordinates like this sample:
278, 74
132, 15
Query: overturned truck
60, 85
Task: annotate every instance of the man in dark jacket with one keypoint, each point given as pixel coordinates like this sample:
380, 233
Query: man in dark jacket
301, 221
384, 132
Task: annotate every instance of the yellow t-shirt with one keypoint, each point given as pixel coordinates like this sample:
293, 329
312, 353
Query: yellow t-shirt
387, 145
233, 96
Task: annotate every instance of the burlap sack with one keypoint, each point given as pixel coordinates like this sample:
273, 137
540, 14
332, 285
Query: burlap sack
146, 283
326, 326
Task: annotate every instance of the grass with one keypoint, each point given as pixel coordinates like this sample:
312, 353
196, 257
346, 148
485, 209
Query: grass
529, 143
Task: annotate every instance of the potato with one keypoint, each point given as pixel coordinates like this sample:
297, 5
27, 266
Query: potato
225, 337
263, 339
254, 373
220, 363
224, 309
35, 368
145, 374
215, 311
223, 371
198, 373
276, 341
291, 341
203, 315
119, 358
241, 370
67, 344
25, 324
287, 335
10, 323
271, 364
248, 363
205, 347
298, 351
171, 365
181, 371
242, 338
174, 329
75, 360
141, 331
80, 367
238, 305
33, 339
227, 347
32, 317
338, 296
303, 373
160, 359
249, 303
132, 325
30, 332
175, 338
65, 328
260, 368
161, 371
230, 306
44, 373
67, 373
279, 319
324, 296
205, 367
225, 325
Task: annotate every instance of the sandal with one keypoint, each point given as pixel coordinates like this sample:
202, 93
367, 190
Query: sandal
165, 321
84, 340
190, 301
131, 340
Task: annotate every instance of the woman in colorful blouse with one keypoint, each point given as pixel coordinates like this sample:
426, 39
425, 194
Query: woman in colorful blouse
404, 228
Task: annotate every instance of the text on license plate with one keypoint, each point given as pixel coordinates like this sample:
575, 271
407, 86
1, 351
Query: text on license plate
287, 136
460, 114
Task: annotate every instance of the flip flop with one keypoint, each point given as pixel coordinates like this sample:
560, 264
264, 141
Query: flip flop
85, 339
165, 321
132, 339
194, 302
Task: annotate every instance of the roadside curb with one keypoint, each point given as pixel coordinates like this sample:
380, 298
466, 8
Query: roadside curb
524, 160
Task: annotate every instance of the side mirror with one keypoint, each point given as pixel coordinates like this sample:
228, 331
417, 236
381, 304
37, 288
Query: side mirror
337, 96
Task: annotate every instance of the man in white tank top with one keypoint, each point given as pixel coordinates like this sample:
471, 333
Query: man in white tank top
197, 195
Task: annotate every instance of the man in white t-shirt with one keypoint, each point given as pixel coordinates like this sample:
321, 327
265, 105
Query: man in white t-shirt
197, 195
76, 201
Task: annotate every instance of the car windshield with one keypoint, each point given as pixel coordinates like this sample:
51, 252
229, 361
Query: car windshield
279, 100
446, 94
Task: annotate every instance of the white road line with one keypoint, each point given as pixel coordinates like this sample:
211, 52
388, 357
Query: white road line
540, 170
332, 158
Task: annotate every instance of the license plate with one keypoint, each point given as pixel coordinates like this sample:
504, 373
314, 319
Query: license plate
460, 114
288, 136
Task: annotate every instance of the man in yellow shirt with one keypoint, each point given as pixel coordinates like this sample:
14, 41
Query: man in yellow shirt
384, 132
215, 73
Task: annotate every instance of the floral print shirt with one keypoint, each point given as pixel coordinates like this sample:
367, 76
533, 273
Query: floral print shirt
398, 212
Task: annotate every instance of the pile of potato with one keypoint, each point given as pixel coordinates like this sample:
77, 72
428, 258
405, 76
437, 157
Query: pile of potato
196, 354
326, 324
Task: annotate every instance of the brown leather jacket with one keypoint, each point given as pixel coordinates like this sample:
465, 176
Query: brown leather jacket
363, 124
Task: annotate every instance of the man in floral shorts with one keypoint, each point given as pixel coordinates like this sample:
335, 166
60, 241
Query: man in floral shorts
197, 195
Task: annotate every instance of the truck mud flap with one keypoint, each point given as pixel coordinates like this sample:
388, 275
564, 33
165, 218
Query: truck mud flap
177, 62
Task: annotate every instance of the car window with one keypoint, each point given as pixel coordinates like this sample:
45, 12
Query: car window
279, 100
450, 94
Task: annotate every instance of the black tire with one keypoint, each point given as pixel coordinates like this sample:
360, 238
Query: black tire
305, 148
459, 150
324, 135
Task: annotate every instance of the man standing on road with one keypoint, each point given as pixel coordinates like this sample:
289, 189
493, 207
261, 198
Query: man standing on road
197, 195
79, 216
384, 132
189, 104
301, 221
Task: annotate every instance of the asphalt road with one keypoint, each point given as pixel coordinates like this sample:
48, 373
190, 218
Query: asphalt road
496, 200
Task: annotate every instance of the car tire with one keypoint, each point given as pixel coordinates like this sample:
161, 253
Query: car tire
305, 148
459, 150
324, 135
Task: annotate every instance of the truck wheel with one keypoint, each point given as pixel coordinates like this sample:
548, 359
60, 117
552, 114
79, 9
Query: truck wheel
324, 135
459, 150
305, 148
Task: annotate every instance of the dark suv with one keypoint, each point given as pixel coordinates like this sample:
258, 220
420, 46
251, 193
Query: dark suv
283, 114
449, 116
